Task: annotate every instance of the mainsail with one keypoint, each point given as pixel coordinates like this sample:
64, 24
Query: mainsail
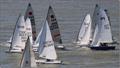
29, 14
106, 34
28, 58
18, 38
85, 31
46, 47
103, 30
54, 28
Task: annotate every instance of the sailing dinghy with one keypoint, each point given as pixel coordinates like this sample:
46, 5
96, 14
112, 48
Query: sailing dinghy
46, 49
18, 37
84, 35
28, 14
54, 28
102, 35
28, 58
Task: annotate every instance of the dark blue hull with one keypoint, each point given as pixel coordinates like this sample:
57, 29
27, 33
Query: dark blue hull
103, 48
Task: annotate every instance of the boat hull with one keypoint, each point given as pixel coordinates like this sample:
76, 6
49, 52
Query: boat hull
14, 51
103, 48
60, 47
49, 62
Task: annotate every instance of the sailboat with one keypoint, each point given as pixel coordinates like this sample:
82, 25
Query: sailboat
28, 58
29, 14
54, 28
84, 35
102, 35
46, 49
18, 37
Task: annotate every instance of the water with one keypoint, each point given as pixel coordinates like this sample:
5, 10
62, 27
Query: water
70, 14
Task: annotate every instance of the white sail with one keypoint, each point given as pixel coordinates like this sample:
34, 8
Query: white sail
18, 38
85, 31
102, 32
106, 35
46, 45
36, 43
29, 29
29, 14
53, 24
28, 58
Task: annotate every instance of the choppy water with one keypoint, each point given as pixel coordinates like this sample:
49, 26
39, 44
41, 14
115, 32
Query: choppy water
70, 14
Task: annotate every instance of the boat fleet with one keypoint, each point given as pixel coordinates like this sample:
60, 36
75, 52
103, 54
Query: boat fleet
94, 33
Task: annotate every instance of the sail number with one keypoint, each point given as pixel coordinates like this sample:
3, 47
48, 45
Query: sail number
22, 33
54, 26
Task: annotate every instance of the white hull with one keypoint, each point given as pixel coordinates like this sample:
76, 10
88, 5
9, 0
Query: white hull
48, 62
14, 51
35, 49
60, 46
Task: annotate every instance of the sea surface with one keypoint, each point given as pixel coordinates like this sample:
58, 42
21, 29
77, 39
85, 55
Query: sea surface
70, 15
